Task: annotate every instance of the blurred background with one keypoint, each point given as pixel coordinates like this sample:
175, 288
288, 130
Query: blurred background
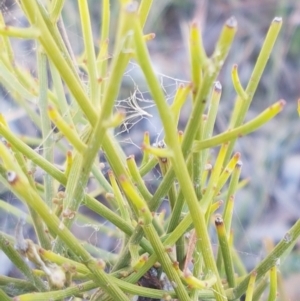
270, 203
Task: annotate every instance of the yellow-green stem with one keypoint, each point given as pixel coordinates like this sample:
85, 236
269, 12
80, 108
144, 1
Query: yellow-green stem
177, 160
46, 124
244, 129
89, 52
20, 186
18, 261
273, 284
288, 240
55, 9
242, 105
251, 286
3, 296
225, 249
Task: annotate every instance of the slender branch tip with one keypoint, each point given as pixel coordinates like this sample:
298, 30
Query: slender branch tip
231, 22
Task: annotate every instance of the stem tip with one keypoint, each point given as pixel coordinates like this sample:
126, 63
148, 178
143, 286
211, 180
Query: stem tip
218, 87
11, 176
219, 221
231, 22
277, 19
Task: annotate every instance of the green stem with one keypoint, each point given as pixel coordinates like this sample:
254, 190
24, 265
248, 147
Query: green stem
18, 262
211, 117
84, 163
56, 9
212, 68
149, 165
120, 204
178, 161
145, 220
54, 54
237, 84
133, 169
113, 152
102, 59
166, 263
58, 32
232, 188
125, 256
143, 12
59, 176
32, 155
13, 286
89, 285
38, 223
66, 129
242, 105
259, 289
250, 288
22, 33
89, 50
20, 186
198, 60
12, 83
225, 249
221, 52
288, 240
197, 269
46, 125
6, 43
197, 56
177, 210
273, 284
165, 165
242, 130
3, 296
60, 94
